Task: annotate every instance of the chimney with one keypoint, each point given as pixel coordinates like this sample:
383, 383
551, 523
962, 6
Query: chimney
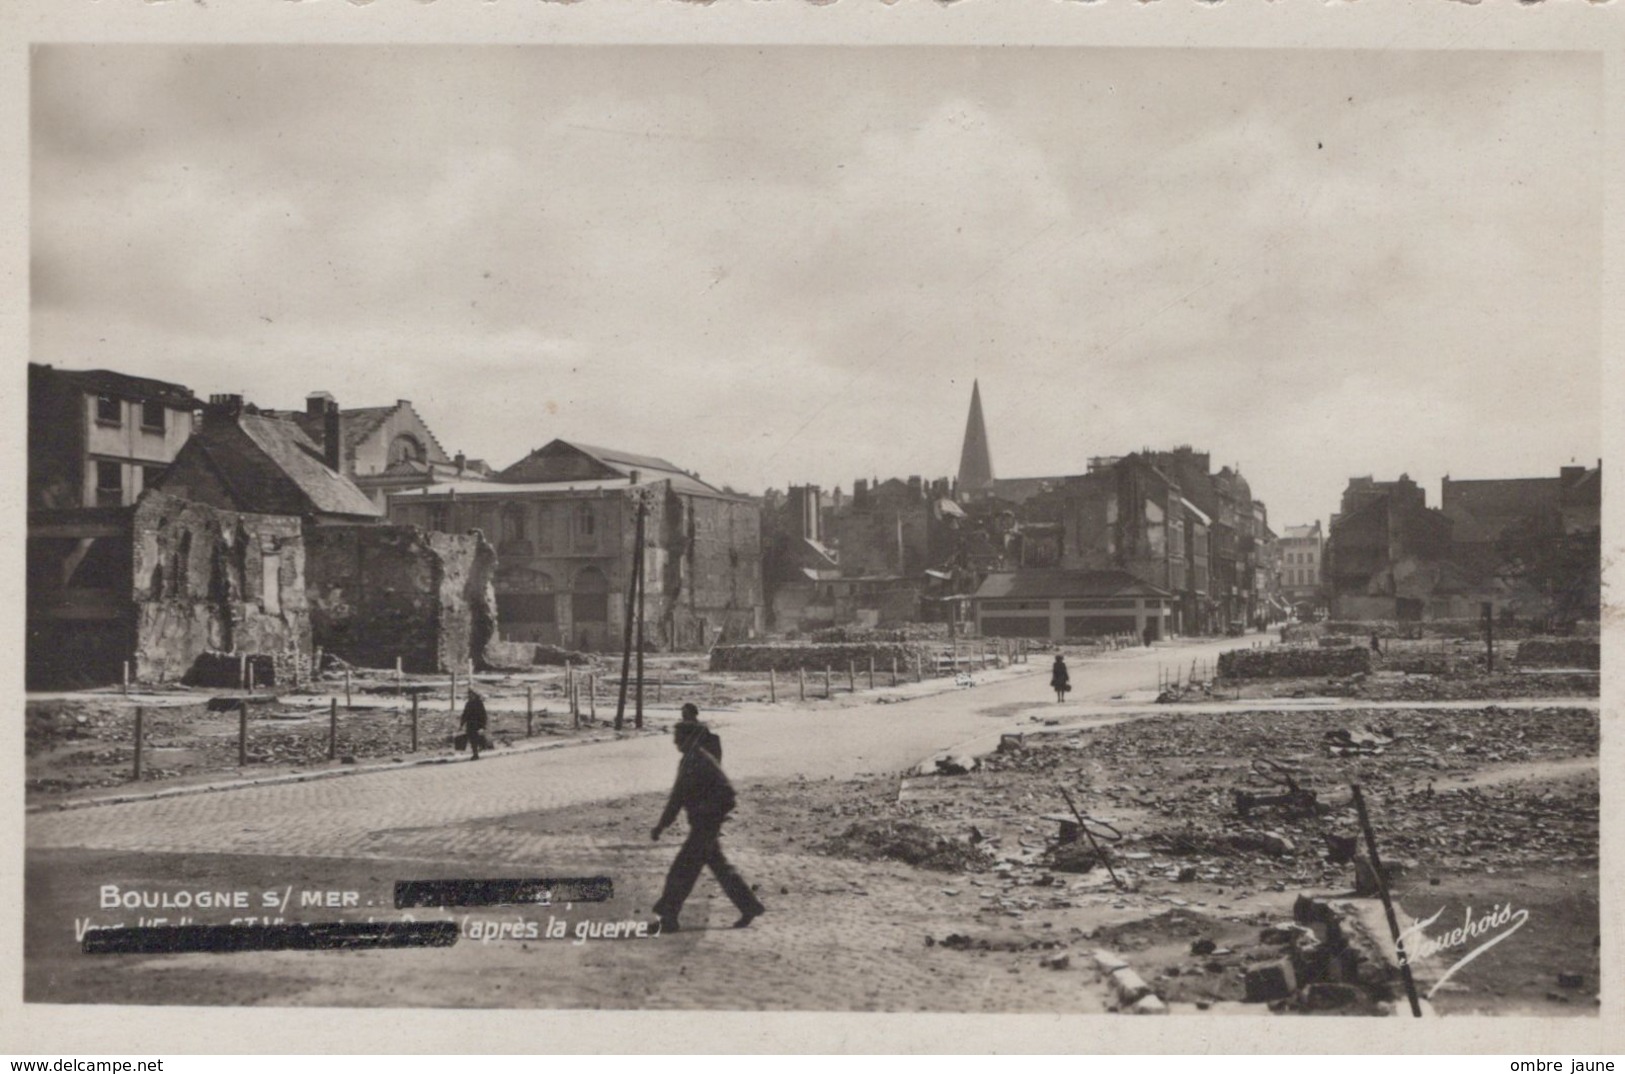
632, 476
332, 441
462, 463
223, 408
316, 404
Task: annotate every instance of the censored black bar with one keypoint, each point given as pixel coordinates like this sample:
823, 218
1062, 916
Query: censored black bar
332, 936
410, 893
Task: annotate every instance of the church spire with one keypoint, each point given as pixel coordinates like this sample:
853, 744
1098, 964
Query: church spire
975, 460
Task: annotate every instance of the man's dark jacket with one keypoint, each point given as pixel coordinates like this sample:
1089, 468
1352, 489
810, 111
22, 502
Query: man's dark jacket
702, 789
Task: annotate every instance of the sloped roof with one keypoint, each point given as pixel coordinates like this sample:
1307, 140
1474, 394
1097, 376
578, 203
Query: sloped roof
1057, 584
623, 463
300, 461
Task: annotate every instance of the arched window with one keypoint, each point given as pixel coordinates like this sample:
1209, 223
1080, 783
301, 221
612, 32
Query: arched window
406, 448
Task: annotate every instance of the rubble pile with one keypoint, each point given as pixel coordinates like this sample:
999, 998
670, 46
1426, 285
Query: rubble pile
907, 842
1561, 653
1186, 770
1292, 662
813, 658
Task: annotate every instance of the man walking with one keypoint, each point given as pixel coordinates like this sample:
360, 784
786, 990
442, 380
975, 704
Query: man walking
473, 723
703, 793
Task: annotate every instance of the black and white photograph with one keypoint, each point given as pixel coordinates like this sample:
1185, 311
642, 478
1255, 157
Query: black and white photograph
904, 528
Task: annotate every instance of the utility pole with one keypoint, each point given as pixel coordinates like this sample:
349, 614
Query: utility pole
637, 720
631, 611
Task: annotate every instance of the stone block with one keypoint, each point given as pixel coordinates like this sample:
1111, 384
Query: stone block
1271, 981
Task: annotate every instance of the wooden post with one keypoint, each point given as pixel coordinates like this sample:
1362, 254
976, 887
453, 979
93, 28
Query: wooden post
451, 703
242, 734
137, 776
918, 674
826, 682
894, 669
400, 682
772, 688
592, 694
530, 711
1387, 902
851, 677
251, 676
801, 683
575, 702
414, 721
333, 729
316, 665
126, 679
348, 704
871, 671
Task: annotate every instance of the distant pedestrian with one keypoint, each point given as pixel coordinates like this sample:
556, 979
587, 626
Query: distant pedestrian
1059, 680
1376, 644
1147, 634
703, 793
473, 723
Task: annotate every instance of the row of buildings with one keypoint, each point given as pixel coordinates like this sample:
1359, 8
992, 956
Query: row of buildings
162, 528
1156, 542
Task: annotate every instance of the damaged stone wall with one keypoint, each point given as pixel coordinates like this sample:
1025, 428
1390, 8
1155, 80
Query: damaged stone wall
382, 592
1291, 663
712, 573
209, 580
815, 658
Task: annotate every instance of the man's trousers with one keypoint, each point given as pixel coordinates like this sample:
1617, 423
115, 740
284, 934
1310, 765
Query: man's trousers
703, 848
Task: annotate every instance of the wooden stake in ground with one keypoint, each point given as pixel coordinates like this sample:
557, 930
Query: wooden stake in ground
414, 721
592, 694
348, 704
530, 711
894, 669
871, 671
1387, 902
851, 678
451, 702
126, 685
1083, 827
801, 683
242, 733
333, 730
826, 682
137, 775
772, 688
400, 682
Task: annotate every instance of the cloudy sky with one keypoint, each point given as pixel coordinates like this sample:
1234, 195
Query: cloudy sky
778, 265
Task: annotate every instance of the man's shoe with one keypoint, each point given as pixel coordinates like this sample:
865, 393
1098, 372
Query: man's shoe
748, 916
662, 925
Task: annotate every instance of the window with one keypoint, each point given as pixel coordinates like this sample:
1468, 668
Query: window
109, 484
405, 448
152, 416
271, 582
585, 525
513, 522
151, 475
109, 410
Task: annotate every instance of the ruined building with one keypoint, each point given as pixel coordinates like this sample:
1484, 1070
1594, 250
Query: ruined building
563, 520
374, 593
1388, 553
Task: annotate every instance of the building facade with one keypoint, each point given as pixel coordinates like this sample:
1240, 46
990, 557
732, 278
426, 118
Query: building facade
1071, 604
1302, 548
564, 523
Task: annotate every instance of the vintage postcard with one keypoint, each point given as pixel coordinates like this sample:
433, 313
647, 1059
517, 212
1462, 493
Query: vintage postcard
669, 527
